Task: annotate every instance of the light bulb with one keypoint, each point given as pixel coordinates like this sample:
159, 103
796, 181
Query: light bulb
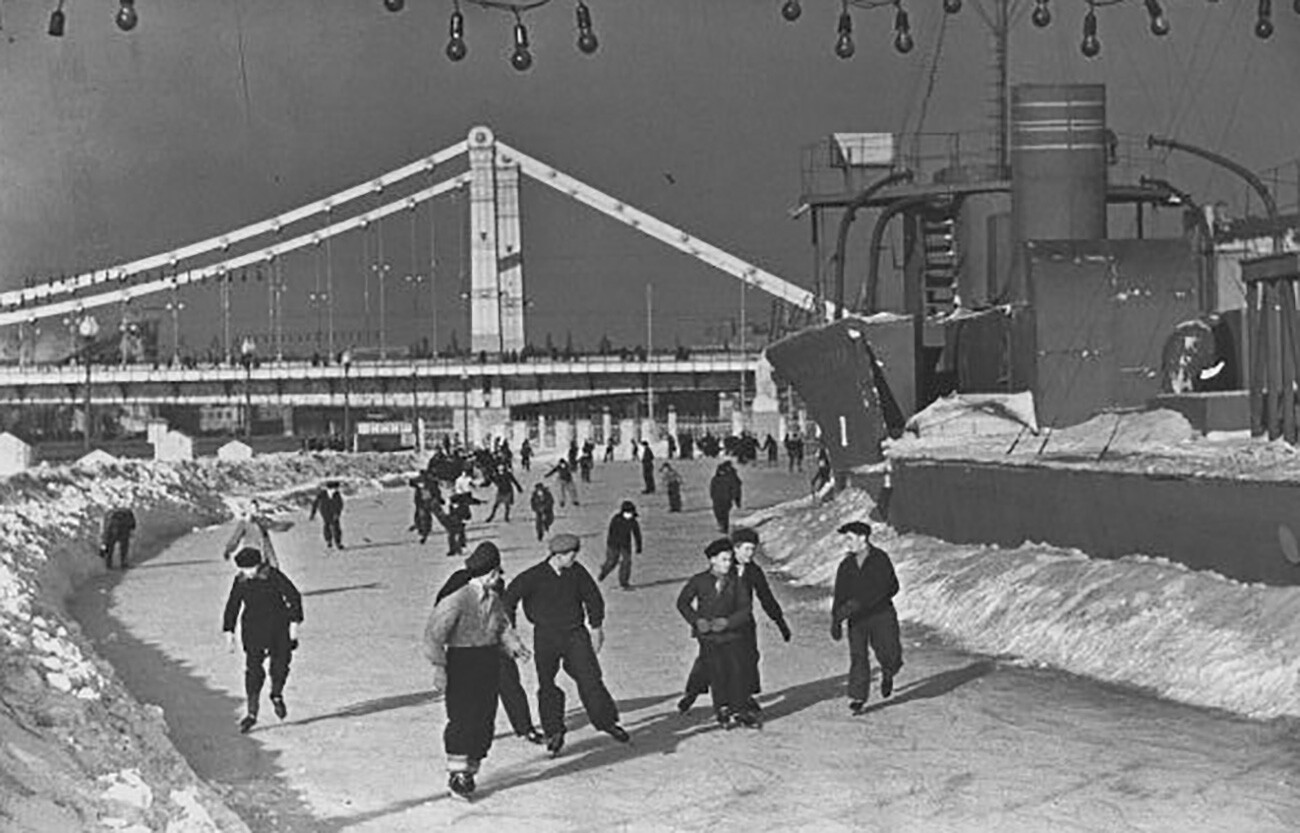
1042, 16
1264, 28
57, 22
456, 48
521, 59
844, 43
394, 5
952, 6
587, 43
1159, 26
903, 42
126, 16
1091, 46
791, 10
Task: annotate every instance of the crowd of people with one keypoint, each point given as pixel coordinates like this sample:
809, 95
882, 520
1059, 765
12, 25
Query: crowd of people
471, 637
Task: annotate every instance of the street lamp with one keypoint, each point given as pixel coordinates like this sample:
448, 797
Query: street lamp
88, 329
175, 306
464, 408
346, 358
246, 351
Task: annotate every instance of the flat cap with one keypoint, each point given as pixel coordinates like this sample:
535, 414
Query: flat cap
248, 557
856, 527
717, 546
564, 542
485, 558
744, 535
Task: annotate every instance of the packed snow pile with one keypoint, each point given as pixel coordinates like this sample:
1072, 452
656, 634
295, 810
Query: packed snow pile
980, 414
79, 752
1190, 636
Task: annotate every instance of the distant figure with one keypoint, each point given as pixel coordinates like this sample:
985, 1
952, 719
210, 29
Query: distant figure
504, 479
268, 628
526, 456
647, 468
769, 445
724, 493
609, 450
427, 498
464, 640
573, 453
672, 447
636, 450
587, 460
564, 474
329, 502
865, 585
624, 531
115, 534
542, 503
255, 527
673, 486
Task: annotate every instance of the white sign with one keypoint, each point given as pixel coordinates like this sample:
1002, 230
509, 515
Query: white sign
392, 426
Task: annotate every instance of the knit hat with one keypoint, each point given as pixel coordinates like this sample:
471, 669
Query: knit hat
720, 545
564, 542
628, 506
248, 557
485, 558
856, 527
744, 535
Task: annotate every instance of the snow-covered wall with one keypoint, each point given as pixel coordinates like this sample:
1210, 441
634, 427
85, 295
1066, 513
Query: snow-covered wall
1190, 636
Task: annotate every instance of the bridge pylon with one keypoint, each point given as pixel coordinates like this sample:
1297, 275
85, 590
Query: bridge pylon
496, 257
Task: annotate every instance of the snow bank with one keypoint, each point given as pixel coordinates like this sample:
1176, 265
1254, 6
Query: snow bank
89, 753
1190, 636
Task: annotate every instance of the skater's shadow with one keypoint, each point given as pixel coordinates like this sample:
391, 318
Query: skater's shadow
367, 707
936, 685
170, 564
374, 545
326, 591
660, 582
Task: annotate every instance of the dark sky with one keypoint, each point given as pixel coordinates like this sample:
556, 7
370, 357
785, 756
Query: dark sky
217, 113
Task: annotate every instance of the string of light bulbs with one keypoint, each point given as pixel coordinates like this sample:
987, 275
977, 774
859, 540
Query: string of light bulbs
521, 56
126, 18
791, 10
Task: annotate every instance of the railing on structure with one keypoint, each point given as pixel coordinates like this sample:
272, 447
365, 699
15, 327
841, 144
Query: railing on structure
1273, 332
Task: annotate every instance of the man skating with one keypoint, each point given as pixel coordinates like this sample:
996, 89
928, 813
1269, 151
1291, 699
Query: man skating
561, 598
115, 534
717, 606
724, 493
506, 485
564, 474
624, 532
542, 502
268, 628
329, 502
254, 529
464, 640
865, 585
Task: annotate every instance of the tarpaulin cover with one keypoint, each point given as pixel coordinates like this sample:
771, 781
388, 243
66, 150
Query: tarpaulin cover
835, 372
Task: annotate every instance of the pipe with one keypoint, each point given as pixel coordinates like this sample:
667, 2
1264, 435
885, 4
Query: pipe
877, 243
1270, 205
850, 213
1203, 226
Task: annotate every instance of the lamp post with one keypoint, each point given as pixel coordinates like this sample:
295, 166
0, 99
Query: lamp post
88, 329
246, 350
347, 393
174, 306
464, 408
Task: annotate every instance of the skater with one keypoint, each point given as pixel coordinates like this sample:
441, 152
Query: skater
865, 585
543, 506
673, 486
609, 450
426, 497
526, 455
724, 492
458, 517
510, 689
256, 527
329, 502
717, 606
647, 468
464, 640
560, 598
268, 628
623, 531
504, 479
564, 474
587, 461
115, 533
769, 445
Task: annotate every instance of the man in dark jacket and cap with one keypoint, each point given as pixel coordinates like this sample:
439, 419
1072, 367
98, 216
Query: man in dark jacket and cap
561, 598
865, 585
272, 611
329, 502
724, 493
717, 606
624, 531
464, 640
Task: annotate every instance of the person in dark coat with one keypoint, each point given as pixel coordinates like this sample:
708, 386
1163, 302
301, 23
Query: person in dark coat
542, 503
504, 479
458, 517
724, 493
271, 613
717, 606
865, 585
624, 531
426, 496
561, 598
647, 468
564, 474
526, 455
745, 541
329, 502
673, 486
466, 638
115, 534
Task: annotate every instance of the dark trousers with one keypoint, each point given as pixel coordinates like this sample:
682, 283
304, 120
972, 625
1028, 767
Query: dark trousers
121, 543
648, 475
618, 557
697, 681
457, 540
423, 523
502, 500
333, 532
724, 662
542, 523
568, 489
880, 632
674, 498
572, 648
473, 676
255, 656
722, 514
513, 698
